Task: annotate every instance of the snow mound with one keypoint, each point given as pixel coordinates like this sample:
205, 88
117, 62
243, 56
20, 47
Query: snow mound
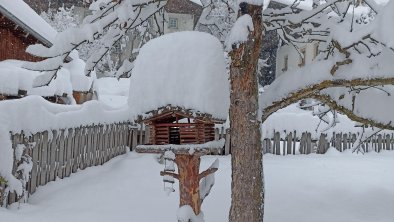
69, 78
332, 151
111, 91
185, 69
240, 31
14, 78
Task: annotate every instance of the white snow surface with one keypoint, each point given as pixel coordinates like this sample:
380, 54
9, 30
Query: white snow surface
185, 69
34, 114
112, 91
198, 2
79, 81
292, 119
13, 78
186, 214
217, 144
70, 78
240, 31
29, 17
303, 188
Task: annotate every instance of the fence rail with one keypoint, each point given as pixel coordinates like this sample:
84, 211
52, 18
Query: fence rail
302, 143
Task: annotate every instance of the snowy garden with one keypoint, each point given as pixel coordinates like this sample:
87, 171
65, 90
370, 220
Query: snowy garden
161, 111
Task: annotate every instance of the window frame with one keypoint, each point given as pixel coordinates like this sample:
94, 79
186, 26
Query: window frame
173, 23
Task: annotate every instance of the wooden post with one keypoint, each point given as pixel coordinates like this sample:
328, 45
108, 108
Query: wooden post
135, 138
277, 143
284, 144
295, 142
188, 174
189, 182
147, 132
227, 150
308, 143
141, 141
321, 148
289, 140
345, 147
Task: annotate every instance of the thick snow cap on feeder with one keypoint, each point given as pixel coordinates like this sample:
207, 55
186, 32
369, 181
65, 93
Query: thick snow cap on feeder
183, 69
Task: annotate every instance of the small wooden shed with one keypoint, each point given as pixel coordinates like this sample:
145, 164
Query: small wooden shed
174, 125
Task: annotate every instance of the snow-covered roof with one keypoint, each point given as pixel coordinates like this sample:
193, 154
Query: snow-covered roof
182, 69
197, 2
24, 16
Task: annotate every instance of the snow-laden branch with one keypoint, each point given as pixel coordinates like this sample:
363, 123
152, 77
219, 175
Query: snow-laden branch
351, 90
107, 25
353, 66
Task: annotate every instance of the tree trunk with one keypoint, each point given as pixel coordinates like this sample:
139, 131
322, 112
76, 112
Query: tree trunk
247, 194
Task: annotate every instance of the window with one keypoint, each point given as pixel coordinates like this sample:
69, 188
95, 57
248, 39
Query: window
302, 57
286, 63
173, 23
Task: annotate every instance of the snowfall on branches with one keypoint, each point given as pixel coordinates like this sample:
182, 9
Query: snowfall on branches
346, 88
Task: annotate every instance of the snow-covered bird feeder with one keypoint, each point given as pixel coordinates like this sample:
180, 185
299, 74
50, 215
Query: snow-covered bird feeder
180, 89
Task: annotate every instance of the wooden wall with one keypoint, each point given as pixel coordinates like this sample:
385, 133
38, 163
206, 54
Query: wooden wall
14, 41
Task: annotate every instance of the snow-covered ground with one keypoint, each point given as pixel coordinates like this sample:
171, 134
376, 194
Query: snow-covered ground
326, 188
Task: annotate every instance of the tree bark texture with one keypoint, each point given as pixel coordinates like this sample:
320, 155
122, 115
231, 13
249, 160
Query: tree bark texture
247, 187
189, 181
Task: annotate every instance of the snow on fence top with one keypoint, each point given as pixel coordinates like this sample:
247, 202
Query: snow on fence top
184, 69
34, 114
19, 12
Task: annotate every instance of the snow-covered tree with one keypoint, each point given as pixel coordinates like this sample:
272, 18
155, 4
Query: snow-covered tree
110, 22
64, 18
354, 67
352, 70
61, 19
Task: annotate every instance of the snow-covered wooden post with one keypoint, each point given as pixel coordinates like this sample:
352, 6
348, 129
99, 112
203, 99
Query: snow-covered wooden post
187, 159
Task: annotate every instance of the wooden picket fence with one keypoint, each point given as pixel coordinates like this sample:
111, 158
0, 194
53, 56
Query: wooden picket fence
58, 153
302, 143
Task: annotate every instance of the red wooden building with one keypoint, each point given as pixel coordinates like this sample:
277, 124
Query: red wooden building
20, 27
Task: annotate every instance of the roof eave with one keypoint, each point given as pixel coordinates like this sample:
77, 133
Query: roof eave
17, 21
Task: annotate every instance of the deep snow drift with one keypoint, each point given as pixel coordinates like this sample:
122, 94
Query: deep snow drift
337, 187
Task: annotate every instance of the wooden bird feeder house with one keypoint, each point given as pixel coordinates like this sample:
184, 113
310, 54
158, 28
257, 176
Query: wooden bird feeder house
183, 138
176, 126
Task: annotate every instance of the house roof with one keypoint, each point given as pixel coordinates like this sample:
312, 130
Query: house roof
25, 17
192, 7
170, 113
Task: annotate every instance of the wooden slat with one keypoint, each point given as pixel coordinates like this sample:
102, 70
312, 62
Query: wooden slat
44, 157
